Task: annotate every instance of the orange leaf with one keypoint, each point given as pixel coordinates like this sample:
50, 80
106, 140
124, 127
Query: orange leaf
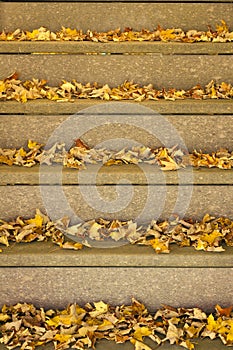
223, 311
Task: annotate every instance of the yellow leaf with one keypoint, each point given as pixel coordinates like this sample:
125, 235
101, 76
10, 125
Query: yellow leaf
212, 325
230, 336
71, 245
37, 221
71, 32
187, 344
33, 34
222, 27
210, 238
159, 246
4, 240
22, 152
141, 332
32, 144
113, 162
201, 245
53, 321
4, 317
38, 343
167, 34
100, 308
105, 325
2, 86
63, 338
139, 345
23, 96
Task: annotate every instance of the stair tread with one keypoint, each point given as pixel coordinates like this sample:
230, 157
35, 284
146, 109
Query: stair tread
143, 174
160, 70
188, 106
71, 47
90, 15
48, 254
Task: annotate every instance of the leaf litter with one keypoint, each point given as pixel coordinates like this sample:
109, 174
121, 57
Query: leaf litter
12, 88
210, 234
25, 326
221, 34
79, 155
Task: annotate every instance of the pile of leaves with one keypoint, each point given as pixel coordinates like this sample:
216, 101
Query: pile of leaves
11, 88
25, 326
210, 234
221, 34
80, 154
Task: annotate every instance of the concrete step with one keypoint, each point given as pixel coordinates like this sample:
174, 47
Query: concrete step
175, 48
43, 254
125, 202
208, 133
189, 106
169, 71
56, 287
87, 15
100, 175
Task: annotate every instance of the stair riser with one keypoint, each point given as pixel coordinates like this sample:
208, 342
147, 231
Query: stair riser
57, 287
190, 130
163, 202
181, 71
90, 15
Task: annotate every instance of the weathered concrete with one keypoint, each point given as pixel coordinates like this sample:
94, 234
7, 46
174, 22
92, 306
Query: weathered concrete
142, 174
179, 71
90, 15
116, 202
47, 254
57, 287
189, 106
201, 132
120, 47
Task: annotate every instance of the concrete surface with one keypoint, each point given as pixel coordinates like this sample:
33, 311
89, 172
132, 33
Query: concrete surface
143, 203
169, 71
120, 47
143, 174
48, 254
90, 15
189, 106
208, 133
57, 287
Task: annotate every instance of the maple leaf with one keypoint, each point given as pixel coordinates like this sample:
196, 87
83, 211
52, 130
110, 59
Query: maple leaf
63, 338
100, 308
141, 332
224, 311
139, 345
37, 221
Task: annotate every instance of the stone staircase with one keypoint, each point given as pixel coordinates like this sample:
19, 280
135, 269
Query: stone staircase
48, 276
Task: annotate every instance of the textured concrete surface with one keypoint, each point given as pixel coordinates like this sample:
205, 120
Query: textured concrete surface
118, 174
48, 254
103, 345
57, 287
201, 132
120, 47
90, 15
189, 106
168, 71
122, 202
